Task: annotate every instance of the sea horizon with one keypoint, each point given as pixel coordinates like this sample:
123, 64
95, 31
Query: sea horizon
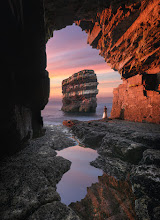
52, 114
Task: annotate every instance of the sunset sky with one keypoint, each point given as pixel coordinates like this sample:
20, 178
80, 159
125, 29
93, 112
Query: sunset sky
68, 53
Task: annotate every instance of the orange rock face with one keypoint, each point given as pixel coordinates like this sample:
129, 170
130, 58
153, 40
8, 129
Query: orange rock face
127, 33
128, 38
135, 101
68, 123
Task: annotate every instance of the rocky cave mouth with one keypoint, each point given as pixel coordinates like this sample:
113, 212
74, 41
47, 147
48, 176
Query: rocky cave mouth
69, 53
125, 32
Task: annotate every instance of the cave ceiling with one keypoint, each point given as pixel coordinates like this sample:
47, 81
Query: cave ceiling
127, 33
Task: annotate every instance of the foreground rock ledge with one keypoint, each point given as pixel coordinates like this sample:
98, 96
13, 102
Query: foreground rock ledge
28, 180
129, 154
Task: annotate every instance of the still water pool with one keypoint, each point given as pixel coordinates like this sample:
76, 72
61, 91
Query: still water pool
74, 183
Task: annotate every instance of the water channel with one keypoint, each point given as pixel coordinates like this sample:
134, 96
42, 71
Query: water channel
74, 183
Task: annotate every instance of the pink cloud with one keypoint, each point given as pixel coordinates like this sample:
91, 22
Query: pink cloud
68, 71
68, 53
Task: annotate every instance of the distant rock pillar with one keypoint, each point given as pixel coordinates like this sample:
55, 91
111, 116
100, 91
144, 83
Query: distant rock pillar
79, 92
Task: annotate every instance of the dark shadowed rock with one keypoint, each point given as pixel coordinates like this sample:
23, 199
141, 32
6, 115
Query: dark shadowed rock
90, 133
55, 210
146, 176
28, 181
115, 146
127, 150
151, 139
113, 166
150, 157
61, 138
146, 186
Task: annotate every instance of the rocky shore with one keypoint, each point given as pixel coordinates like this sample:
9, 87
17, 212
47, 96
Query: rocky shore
129, 152
28, 179
129, 189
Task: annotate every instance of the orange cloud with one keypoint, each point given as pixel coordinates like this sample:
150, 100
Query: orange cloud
105, 88
66, 72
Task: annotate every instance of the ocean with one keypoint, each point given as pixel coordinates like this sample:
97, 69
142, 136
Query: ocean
52, 113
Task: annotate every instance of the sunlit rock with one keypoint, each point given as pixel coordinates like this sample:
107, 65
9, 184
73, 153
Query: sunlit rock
137, 99
126, 33
79, 92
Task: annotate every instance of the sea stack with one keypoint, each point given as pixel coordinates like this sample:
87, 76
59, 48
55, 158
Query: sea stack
79, 92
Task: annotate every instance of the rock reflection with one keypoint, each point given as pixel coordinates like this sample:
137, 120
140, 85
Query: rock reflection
109, 199
74, 183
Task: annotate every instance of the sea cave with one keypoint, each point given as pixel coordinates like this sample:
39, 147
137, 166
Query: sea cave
127, 35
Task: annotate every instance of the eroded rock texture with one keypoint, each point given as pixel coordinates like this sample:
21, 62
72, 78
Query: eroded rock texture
129, 155
108, 199
79, 92
24, 87
137, 99
28, 180
127, 33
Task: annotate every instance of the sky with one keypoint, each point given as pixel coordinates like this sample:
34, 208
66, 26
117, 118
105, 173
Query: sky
68, 53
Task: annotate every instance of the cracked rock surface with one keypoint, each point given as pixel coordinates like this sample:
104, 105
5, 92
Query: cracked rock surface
127, 151
28, 180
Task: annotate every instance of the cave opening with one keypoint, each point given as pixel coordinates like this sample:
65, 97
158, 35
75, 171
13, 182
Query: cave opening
127, 34
24, 58
68, 53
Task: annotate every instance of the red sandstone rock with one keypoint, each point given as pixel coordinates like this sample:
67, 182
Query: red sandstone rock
69, 123
94, 35
133, 102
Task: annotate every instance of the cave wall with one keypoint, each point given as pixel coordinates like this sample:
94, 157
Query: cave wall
127, 34
137, 99
24, 87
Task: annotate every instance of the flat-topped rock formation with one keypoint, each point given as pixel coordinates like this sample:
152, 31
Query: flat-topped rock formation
79, 92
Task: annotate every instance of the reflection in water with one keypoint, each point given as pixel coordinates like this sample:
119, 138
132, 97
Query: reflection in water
74, 183
109, 199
